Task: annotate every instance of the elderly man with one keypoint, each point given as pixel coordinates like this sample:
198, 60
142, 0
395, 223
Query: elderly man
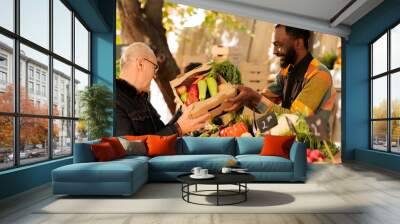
135, 114
303, 85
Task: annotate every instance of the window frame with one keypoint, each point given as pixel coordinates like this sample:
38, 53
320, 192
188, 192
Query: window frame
16, 114
388, 74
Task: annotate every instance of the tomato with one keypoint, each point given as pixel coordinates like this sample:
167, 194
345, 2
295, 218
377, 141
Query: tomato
235, 130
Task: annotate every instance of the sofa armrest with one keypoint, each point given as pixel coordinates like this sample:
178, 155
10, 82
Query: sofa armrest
83, 152
298, 157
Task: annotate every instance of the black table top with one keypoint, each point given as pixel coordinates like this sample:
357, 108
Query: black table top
220, 178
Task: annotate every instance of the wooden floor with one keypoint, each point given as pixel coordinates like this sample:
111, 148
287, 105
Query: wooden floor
377, 188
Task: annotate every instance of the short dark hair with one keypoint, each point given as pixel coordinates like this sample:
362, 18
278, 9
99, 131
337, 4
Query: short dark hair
297, 33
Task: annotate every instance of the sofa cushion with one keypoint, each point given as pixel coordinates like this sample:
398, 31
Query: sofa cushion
161, 145
103, 152
116, 145
83, 152
257, 163
211, 145
277, 145
185, 163
112, 171
246, 145
134, 147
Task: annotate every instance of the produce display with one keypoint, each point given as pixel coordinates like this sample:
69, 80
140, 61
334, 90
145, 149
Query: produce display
227, 70
208, 85
240, 126
316, 152
235, 130
315, 156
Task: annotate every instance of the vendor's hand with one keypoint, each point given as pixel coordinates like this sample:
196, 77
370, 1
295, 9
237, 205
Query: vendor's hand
188, 124
246, 97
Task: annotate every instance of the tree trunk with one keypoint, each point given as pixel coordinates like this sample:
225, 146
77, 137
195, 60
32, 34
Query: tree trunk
145, 25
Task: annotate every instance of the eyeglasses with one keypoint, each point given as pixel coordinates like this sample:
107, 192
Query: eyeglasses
156, 67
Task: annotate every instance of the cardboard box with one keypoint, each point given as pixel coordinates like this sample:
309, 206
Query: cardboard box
214, 105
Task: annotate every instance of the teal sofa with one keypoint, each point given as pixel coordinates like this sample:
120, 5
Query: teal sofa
125, 176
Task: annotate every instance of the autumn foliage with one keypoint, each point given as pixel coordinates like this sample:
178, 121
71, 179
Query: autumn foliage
33, 131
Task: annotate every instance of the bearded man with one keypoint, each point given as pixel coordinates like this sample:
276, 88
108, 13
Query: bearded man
303, 85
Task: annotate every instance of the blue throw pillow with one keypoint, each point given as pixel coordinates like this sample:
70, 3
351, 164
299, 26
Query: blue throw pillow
246, 145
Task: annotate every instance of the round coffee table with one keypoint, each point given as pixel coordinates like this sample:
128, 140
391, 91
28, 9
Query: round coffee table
238, 179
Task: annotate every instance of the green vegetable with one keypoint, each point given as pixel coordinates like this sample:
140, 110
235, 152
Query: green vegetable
212, 86
202, 86
184, 96
227, 70
204, 135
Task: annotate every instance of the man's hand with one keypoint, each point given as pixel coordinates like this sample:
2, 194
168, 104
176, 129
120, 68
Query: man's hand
246, 97
188, 124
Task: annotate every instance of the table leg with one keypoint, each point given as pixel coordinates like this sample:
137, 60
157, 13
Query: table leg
188, 189
182, 190
245, 192
217, 194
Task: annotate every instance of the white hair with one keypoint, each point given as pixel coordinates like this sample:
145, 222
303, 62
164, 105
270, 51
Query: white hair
135, 50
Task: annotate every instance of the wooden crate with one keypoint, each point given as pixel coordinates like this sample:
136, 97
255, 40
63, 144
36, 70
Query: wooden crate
214, 105
257, 85
252, 71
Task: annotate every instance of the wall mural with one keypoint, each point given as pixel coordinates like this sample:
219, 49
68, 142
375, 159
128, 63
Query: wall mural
202, 73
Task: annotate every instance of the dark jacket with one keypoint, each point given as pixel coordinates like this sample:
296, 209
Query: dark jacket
293, 82
136, 116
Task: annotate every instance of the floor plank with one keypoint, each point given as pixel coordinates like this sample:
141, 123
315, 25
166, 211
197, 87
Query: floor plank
376, 190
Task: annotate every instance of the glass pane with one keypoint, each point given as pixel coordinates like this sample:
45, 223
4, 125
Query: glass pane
62, 29
34, 97
81, 81
7, 14
395, 138
62, 138
33, 139
379, 97
81, 45
6, 74
395, 47
379, 55
395, 95
6, 142
81, 131
379, 135
62, 89
35, 21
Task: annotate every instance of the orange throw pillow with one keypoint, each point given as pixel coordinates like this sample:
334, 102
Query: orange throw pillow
277, 146
161, 145
134, 137
103, 152
116, 145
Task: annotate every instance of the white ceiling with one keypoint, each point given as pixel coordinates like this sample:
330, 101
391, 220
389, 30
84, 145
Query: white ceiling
324, 16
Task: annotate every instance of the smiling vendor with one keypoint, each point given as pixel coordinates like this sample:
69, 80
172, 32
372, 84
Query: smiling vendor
303, 85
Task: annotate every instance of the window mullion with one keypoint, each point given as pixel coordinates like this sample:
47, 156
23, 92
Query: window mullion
50, 81
371, 142
16, 85
73, 82
389, 112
